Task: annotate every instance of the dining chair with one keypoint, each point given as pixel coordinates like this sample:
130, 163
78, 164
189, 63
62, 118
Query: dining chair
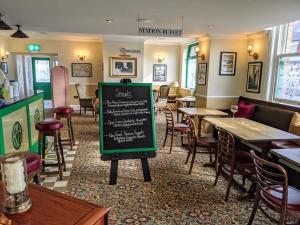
207, 144
162, 100
173, 129
272, 190
85, 102
96, 103
227, 154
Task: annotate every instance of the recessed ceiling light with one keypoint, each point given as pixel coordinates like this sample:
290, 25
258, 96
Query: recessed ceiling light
211, 26
109, 21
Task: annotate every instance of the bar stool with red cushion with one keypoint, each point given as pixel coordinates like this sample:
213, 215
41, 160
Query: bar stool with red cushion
273, 191
173, 128
66, 112
51, 127
34, 164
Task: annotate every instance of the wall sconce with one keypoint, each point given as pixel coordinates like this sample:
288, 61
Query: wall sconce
254, 55
199, 55
81, 55
4, 57
160, 59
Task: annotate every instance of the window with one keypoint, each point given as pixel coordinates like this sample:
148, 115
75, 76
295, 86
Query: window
191, 65
287, 80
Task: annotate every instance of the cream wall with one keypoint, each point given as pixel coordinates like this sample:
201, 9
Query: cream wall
66, 51
260, 43
112, 48
172, 59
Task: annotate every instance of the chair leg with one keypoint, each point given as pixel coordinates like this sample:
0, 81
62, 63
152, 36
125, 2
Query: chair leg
219, 170
57, 151
190, 149
84, 110
181, 138
61, 152
255, 206
37, 178
166, 136
80, 110
210, 156
229, 183
244, 180
70, 133
193, 159
171, 146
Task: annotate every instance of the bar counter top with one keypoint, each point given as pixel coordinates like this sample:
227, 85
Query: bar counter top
18, 99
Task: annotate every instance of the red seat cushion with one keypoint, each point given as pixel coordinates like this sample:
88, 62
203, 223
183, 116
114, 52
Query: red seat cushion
243, 157
49, 125
33, 162
181, 127
293, 202
245, 110
206, 141
63, 110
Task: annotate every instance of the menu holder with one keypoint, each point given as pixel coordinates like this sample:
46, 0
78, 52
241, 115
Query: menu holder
127, 127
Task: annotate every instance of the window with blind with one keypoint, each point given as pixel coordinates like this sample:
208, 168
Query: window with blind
191, 66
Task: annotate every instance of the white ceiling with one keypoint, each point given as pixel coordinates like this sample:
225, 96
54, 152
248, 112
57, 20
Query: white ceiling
88, 16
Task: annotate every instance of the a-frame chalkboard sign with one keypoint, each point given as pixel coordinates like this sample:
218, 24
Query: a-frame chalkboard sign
126, 122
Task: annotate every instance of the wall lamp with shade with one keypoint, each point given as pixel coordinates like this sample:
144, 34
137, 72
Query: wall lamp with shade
4, 57
199, 55
161, 58
254, 54
81, 55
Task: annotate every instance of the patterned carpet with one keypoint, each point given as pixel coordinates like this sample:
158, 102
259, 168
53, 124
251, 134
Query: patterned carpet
173, 197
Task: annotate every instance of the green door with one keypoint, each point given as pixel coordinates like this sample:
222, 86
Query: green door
41, 76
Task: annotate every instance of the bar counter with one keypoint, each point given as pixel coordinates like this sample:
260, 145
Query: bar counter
17, 123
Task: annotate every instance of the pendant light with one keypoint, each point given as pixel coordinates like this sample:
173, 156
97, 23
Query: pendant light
19, 33
3, 25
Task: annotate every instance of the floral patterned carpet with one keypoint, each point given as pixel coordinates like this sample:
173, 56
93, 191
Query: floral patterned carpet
173, 197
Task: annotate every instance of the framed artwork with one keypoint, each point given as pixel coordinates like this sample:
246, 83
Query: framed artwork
159, 72
81, 70
254, 77
202, 73
4, 67
123, 67
227, 63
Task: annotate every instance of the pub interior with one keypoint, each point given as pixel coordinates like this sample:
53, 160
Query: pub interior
154, 112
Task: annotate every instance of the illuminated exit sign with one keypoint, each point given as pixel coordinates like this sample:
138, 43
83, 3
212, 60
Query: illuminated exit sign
33, 47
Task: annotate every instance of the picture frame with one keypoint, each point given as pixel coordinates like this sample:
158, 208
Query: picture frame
202, 73
254, 77
82, 69
160, 72
4, 67
123, 67
227, 63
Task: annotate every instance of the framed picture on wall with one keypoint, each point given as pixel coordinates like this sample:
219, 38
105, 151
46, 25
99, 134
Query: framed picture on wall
160, 72
227, 63
123, 67
4, 67
202, 73
254, 77
81, 69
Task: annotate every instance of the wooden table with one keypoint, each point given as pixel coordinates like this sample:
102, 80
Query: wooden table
253, 132
200, 113
188, 100
291, 155
54, 208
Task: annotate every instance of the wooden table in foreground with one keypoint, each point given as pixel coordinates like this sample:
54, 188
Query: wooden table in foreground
291, 155
253, 132
200, 113
54, 208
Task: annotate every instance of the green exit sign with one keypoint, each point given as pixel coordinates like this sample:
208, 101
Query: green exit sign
33, 47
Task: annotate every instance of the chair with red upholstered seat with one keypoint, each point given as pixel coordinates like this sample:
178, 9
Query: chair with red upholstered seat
66, 112
34, 164
195, 141
51, 127
227, 153
273, 191
173, 128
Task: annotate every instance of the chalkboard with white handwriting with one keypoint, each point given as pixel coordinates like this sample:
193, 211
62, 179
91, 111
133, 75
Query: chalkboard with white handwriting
126, 118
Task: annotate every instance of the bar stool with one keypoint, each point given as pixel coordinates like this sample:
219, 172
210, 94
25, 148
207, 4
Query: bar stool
66, 112
51, 127
33, 164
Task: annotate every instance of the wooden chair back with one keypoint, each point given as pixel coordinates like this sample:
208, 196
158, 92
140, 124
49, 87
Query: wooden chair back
190, 122
226, 144
80, 89
169, 118
164, 91
271, 177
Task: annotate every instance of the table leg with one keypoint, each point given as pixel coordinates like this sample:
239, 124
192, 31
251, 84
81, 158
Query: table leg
266, 149
199, 125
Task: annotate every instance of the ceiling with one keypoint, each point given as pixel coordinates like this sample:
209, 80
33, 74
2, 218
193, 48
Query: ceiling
89, 16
